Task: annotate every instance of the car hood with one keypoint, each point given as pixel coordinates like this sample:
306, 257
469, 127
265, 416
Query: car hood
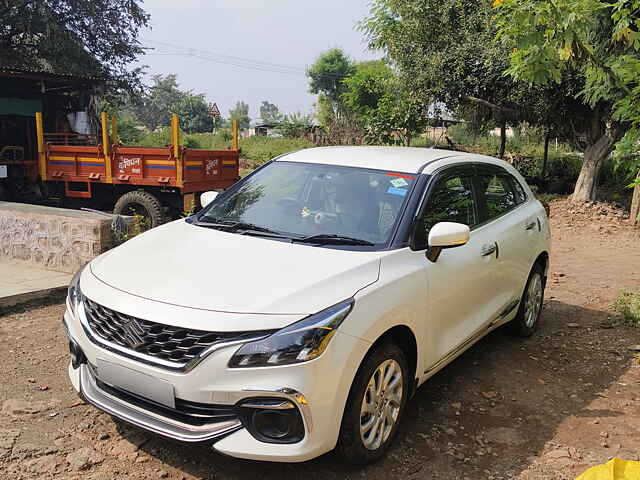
190, 266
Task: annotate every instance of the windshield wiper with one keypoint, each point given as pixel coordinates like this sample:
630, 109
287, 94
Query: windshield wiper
231, 226
332, 239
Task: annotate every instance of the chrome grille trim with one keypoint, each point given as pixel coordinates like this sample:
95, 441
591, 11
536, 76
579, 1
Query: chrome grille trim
150, 420
177, 366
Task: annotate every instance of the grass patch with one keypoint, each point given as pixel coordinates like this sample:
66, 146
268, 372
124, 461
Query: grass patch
627, 304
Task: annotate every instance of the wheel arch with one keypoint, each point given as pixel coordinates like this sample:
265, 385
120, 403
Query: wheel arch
543, 261
404, 338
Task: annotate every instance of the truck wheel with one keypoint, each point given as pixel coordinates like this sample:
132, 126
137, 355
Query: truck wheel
141, 204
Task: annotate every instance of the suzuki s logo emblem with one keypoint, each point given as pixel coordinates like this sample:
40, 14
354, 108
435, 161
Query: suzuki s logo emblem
132, 333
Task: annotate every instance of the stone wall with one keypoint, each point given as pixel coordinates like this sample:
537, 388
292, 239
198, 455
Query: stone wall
52, 238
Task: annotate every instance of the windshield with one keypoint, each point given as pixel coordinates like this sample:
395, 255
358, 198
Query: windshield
303, 200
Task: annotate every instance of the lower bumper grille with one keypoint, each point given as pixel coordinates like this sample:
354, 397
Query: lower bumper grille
184, 423
191, 413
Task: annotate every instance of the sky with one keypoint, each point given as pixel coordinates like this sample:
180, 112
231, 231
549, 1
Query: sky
250, 50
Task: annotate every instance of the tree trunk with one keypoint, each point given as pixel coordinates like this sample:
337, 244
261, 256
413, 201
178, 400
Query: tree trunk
635, 203
503, 137
545, 158
594, 156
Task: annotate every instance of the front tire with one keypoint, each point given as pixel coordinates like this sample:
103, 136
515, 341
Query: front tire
375, 405
528, 316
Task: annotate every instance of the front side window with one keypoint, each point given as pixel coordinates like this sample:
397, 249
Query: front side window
302, 200
498, 193
451, 200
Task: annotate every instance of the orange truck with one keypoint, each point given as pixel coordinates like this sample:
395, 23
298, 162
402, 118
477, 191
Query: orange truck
155, 182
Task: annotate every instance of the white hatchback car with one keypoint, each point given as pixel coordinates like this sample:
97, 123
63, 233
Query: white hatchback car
300, 309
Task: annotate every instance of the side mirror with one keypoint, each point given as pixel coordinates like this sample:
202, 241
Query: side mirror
446, 235
207, 197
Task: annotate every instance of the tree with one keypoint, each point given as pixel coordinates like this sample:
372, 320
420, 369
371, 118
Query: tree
162, 99
82, 37
598, 40
165, 98
326, 78
128, 132
241, 113
269, 113
385, 109
193, 110
369, 82
446, 52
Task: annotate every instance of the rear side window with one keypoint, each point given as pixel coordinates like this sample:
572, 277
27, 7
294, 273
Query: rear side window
499, 192
452, 200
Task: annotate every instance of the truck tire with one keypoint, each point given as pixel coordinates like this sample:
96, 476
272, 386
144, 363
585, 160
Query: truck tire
144, 204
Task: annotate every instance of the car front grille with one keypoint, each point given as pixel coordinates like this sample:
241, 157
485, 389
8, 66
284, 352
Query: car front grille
166, 342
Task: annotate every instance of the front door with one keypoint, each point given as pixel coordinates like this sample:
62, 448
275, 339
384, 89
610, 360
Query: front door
461, 284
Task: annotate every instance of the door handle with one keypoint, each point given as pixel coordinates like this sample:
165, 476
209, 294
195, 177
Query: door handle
530, 226
489, 250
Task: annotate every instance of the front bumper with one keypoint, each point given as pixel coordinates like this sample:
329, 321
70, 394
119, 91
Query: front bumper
212, 382
147, 419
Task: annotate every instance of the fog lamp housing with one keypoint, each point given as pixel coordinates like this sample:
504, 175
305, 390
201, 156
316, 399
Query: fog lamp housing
272, 420
77, 355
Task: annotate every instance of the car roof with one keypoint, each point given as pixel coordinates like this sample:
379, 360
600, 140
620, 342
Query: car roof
398, 159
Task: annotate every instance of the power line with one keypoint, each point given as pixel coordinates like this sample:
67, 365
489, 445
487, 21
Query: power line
240, 62
233, 58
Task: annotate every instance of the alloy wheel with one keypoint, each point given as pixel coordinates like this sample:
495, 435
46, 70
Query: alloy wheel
381, 404
533, 301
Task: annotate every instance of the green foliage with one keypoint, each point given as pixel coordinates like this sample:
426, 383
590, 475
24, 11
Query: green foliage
367, 85
128, 131
164, 98
154, 109
194, 113
241, 113
627, 304
326, 75
258, 150
83, 37
445, 49
158, 138
596, 38
295, 125
269, 113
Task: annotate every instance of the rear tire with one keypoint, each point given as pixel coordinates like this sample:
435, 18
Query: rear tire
141, 203
527, 319
375, 405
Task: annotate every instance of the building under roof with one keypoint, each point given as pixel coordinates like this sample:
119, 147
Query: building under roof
24, 92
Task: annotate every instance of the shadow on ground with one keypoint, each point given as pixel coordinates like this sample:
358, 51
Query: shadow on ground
488, 413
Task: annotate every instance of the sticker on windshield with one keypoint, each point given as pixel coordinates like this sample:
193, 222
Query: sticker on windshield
397, 191
399, 182
400, 175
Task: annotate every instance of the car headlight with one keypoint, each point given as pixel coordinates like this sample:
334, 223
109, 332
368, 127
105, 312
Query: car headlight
74, 294
299, 342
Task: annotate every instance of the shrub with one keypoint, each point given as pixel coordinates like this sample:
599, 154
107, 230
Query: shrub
627, 304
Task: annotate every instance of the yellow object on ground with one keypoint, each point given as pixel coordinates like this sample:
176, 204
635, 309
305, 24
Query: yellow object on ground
615, 469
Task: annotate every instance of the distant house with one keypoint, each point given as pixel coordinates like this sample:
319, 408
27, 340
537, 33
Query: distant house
439, 115
264, 129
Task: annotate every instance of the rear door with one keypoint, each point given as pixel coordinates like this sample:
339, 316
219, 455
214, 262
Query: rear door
502, 206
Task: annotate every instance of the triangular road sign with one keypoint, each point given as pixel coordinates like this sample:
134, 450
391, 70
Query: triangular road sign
214, 111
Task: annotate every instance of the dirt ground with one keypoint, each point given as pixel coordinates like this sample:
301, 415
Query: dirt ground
543, 408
